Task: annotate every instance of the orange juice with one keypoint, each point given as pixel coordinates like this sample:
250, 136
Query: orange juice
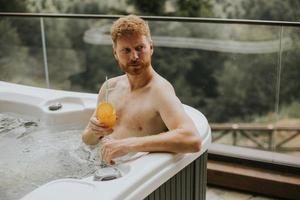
106, 114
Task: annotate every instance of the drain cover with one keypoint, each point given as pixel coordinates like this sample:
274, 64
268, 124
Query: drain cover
107, 174
55, 106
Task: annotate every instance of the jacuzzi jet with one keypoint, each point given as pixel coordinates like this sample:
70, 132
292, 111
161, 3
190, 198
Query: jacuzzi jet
55, 106
107, 174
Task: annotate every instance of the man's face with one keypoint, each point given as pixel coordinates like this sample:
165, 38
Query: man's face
133, 53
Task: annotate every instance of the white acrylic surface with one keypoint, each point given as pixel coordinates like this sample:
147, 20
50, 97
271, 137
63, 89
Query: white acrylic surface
143, 174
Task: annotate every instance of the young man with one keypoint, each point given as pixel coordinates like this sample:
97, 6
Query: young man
150, 117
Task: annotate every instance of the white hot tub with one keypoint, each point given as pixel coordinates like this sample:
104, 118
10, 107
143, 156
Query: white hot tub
42, 156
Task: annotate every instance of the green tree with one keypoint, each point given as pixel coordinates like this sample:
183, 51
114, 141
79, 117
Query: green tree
193, 8
12, 6
257, 95
146, 7
287, 10
16, 64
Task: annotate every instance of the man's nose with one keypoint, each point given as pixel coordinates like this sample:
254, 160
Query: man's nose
134, 55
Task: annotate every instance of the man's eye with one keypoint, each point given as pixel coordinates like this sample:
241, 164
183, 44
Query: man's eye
126, 50
139, 48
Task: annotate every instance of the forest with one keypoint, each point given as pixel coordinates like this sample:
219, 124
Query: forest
230, 72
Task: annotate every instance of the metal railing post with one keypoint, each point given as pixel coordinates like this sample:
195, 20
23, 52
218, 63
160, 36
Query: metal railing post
44, 52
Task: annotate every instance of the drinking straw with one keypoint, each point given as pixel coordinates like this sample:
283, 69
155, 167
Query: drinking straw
106, 89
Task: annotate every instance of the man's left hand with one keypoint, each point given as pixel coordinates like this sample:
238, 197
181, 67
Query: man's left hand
113, 148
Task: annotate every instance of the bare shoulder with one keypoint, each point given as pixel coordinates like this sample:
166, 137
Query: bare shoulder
162, 87
169, 105
116, 81
163, 94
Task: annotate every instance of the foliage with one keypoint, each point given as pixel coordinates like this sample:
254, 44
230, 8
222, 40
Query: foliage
287, 10
291, 110
224, 86
16, 63
147, 7
12, 6
193, 8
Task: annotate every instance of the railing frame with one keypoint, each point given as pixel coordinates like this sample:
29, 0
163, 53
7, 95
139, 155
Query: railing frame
157, 18
248, 130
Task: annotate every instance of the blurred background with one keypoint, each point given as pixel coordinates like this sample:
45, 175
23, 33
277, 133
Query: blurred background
244, 78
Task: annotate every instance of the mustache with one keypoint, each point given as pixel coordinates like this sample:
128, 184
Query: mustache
135, 62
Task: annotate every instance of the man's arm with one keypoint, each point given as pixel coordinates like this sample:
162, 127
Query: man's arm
94, 130
182, 136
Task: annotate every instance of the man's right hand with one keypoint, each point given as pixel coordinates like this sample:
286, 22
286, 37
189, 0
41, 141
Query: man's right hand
94, 131
99, 129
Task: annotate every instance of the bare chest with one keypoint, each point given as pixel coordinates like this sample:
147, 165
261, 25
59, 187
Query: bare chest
136, 115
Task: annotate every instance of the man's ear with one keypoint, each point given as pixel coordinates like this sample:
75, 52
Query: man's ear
151, 47
115, 54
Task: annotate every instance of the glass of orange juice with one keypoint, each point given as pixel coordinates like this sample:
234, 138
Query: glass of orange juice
106, 114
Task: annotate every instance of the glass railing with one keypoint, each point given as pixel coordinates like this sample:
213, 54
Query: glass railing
243, 75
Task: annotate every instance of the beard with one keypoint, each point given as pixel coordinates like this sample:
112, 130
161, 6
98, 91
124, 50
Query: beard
135, 67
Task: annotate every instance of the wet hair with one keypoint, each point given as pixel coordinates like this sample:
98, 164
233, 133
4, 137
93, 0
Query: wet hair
129, 25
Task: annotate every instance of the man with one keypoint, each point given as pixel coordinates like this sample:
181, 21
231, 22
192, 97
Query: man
150, 117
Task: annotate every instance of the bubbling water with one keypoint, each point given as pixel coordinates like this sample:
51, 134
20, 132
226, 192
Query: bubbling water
31, 155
